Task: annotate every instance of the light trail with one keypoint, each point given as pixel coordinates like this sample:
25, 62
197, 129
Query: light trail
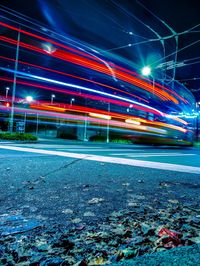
75, 59
76, 77
141, 106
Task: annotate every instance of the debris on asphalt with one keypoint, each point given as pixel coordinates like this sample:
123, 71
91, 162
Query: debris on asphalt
97, 226
126, 234
95, 200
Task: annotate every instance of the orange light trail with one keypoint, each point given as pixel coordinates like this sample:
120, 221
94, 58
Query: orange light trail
74, 76
78, 60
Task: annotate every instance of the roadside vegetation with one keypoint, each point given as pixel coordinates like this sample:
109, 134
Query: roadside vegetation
113, 139
17, 136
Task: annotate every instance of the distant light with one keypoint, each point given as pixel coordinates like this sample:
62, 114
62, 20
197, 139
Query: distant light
72, 99
7, 88
53, 95
131, 121
48, 48
146, 71
29, 99
107, 117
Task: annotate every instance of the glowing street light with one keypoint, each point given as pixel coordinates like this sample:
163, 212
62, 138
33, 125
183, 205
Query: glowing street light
29, 99
52, 97
7, 89
71, 101
146, 71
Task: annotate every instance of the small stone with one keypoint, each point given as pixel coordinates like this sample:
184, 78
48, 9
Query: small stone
67, 211
173, 201
126, 184
133, 204
95, 200
76, 220
86, 214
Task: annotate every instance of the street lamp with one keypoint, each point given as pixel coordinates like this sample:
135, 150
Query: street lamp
29, 99
52, 97
146, 71
7, 89
71, 101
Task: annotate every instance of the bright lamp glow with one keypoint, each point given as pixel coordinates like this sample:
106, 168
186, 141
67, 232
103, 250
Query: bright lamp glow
29, 99
146, 71
131, 121
107, 117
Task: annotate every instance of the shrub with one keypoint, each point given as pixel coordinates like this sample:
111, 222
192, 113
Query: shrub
111, 139
18, 136
97, 138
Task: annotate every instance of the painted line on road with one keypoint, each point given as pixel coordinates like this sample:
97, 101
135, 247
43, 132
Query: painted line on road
151, 154
107, 159
95, 150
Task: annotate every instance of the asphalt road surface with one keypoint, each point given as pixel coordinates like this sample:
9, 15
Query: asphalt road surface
65, 183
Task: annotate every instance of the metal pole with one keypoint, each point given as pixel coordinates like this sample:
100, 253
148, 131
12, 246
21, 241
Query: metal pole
24, 122
7, 89
37, 122
108, 125
14, 83
85, 129
85, 124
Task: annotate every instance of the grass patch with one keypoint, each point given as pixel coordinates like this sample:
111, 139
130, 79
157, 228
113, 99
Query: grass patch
17, 136
112, 139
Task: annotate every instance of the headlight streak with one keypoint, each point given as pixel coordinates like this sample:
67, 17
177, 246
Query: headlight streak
76, 77
107, 117
98, 98
82, 53
84, 95
75, 59
76, 114
78, 118
153, 110
85, 54
104, 115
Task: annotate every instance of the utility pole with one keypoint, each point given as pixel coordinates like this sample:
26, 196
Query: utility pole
14, 84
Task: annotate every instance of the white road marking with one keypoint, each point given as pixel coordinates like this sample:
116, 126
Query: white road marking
89, 149
62, 147
107, 159
151, 154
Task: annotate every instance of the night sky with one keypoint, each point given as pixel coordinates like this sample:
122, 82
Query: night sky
117, 26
